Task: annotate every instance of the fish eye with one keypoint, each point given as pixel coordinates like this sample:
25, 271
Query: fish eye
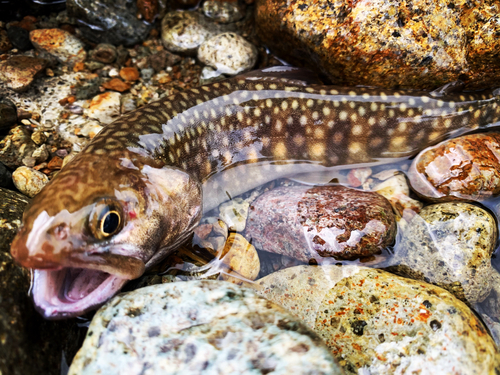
106, 219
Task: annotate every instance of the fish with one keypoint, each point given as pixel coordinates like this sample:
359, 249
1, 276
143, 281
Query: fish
136, 192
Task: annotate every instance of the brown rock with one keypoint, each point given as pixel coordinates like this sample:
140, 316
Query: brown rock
129, 74
55, 163
328, 221
104, 52
148, 9
18, 72
15, 147
5, 44
162, 59
116, 84
62, 45
240, 257
467, 167
387, 43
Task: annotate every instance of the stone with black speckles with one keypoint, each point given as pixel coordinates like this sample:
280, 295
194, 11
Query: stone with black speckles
199, 327
328, 221
377, 323
449, 245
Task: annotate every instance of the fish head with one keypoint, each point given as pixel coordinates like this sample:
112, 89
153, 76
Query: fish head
98, 224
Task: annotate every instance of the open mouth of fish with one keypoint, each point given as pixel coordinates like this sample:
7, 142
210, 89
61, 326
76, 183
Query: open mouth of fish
73, 290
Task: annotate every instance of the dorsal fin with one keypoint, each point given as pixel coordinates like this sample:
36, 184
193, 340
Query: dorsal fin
285, 74
447, 89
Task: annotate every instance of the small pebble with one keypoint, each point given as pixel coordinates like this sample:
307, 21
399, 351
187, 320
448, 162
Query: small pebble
105, 107
5, 44
182, 32
16, 146
147, 74
163, 59
240, 257
223, 11
116, 84
234, 213
129, 74
28, 181
41, 154
104, 53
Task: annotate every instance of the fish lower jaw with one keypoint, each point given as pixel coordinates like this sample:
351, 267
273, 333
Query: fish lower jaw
71, 292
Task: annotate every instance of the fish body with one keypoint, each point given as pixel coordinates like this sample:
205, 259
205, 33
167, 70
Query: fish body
139, 188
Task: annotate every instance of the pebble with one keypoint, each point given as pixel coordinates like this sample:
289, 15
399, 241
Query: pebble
5, 44
148, 9
67, 48
384, 43
396, 191
15, 147
182, 32
163, 59
234, 213
90, 129
38, 137
41, 154
87, 89
147, 73
229, 53
20, 38
8, 115
223, 11
199, 327
104, 53
109, 21
327, 221
449, 245
240, 257
105, 107
465, 167
129, 74
18, 72
28, 181
377, 323
116, 84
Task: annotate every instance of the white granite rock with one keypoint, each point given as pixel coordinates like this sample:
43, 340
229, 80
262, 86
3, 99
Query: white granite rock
29, 181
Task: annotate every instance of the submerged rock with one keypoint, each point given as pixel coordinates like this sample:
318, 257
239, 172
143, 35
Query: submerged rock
104, 52
105, 107
65, 47
18, 72
378, 323
20, 38
466, 167
199, 327
29, 181
183, 32
15, 147
422, 44
223, 11
109, 21
8, 115
449, 245
327, 221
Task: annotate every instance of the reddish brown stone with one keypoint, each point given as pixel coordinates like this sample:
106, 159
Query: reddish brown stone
148, 9
129, 74
328, 221
467, 167
55, 163
18, 72
116, 84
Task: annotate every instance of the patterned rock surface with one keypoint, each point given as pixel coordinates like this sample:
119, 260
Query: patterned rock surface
329, 221
65, 47
378, 323
15, 147
422, 44
199, 327
467, 167
28, 343
18, 72
449, 245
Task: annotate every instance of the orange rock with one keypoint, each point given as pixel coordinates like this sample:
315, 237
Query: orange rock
55, 163
148, 9
116, 84
79, 66
129, 74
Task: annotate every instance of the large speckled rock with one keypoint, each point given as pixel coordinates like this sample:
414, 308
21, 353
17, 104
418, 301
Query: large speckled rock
65, 47
449, 245
29, 181
15, 147
199, 327
183, 31
327, 221
466, 167
378, 323
18, 72
418, 44
28, 343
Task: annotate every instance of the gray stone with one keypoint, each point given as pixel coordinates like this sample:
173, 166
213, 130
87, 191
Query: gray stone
377, 323
15, 147
449, 245
223, 11
199, 327
183, 32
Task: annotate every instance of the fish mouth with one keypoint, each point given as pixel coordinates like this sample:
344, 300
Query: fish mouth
71, 291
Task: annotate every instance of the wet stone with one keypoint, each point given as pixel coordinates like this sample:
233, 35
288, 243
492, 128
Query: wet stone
183, 32
104, 53
129, 74
377, 323
29, 344
87, 89
8, 115
163, 59
329, 221
228, 53
20, 38
5, 44
109, 21
105, 107
116, 84
240, 257
15, 147
466, 167
65, 47
18, 72
202, 327
223, 11
29, 181
449, 245
234, 213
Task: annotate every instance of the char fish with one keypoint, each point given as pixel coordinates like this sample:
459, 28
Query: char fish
136, 192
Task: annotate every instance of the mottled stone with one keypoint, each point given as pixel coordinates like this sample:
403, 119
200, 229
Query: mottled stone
28, 343
29, 181
240, 257
87, 89
5, 44
148, 9
390, 43
328, 221
377, 323
198, 327
396, 191
229, 53
109, 21
116, 84
65, 47
223, 11
466, 167
19, 37
15, 147
449, 245
234, 213
41, 154
129, 73
183, 32
18, 72
104, 53
163, 59
8, 115
105, 107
